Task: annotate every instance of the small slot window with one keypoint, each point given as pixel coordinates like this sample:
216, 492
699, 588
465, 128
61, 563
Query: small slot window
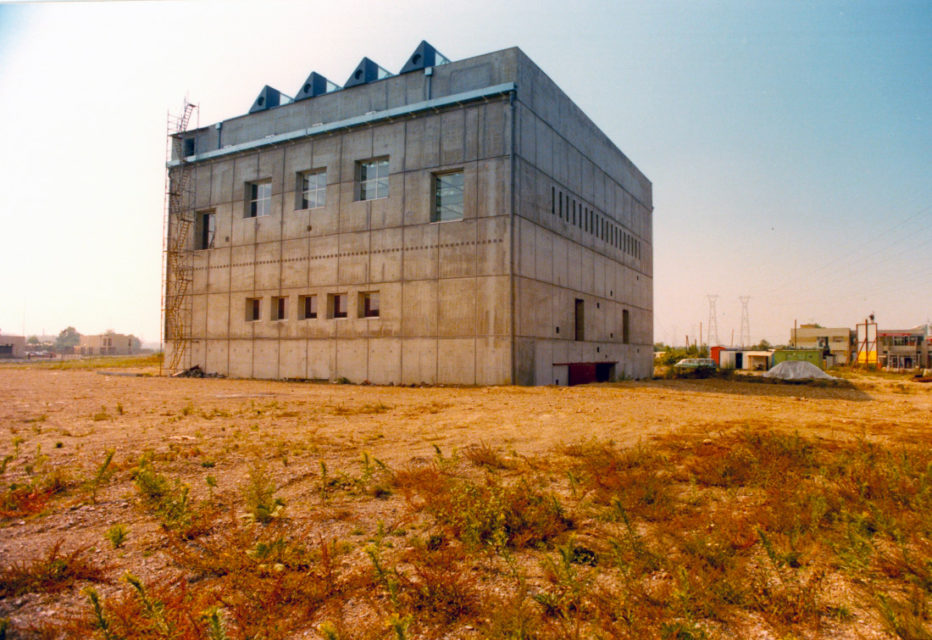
369, 304
253, 309
308, 305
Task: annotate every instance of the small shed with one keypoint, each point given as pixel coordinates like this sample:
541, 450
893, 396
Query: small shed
757, 360
812, 356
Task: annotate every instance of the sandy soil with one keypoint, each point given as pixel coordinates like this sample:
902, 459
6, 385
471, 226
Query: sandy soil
196, 427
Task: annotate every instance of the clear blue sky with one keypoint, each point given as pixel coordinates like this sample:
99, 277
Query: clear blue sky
789, 143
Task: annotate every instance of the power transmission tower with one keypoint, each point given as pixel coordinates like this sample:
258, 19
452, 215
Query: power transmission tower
745, 321
713, 320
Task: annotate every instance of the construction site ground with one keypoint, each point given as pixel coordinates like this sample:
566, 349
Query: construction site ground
213, 435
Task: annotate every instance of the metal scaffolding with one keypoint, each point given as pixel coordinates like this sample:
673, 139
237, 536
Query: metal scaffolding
176, 243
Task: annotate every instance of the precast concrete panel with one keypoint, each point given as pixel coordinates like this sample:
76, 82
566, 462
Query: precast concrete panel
354, 214
493, 248
352, 358
268, 265
492, 306
217, 357
265, 359
456, 361
292, 359
457, 248
385, 255
218, 316
543, 253
354, 258
421, 252
422, 143
320, 359
419, 308
494, 187
452, 134
456, 313
493, 360
384, 360
241, 358
419, 361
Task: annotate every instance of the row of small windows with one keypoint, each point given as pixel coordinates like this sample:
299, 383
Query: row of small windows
590, 221
367, 306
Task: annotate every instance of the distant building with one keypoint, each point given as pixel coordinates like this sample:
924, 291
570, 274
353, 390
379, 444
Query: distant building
904, 348
12, 346
838, 342
108, 344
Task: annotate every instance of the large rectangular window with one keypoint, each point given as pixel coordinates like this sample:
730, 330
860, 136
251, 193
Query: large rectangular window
258, 198
448, 197
308, 305
625, 327
312, 189
372, 179
206, 225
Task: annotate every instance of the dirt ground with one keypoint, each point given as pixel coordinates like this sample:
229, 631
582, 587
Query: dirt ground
69, 419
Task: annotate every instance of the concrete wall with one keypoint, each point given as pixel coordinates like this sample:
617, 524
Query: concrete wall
443, 287
105, 344
14, 346
583, 231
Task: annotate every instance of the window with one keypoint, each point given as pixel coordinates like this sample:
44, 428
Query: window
369, 304
252, 309
580, 318
206, 228
312, 190
448, 197
278, 310
258, 198
625, 327
338, 305
308, 306
372, 179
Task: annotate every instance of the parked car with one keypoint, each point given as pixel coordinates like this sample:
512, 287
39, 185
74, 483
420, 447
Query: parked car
694, 364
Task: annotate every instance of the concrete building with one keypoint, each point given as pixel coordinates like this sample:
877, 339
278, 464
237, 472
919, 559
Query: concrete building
904, 348
108, 344
460, 222
838, 342
12, 346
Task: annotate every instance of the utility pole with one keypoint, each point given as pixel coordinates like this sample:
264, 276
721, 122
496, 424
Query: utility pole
713, 320
745, 321
867, 342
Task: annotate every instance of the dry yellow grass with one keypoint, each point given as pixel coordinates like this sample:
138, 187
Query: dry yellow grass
359, 485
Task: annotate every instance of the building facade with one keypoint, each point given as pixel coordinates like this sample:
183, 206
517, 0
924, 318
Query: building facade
904, 348
12, 346
838, 342
108, 344
460, 223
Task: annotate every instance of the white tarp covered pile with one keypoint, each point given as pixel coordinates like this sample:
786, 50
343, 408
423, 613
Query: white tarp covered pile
797, 370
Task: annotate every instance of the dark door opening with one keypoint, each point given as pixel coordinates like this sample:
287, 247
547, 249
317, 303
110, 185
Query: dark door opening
739, 361
586, 372
580, 320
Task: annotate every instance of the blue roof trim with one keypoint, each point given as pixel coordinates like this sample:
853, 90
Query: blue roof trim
395, 112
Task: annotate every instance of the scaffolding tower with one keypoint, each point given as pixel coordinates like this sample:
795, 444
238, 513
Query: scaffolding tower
176, 247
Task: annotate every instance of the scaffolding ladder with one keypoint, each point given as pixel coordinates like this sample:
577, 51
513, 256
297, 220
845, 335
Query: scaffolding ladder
178, 219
